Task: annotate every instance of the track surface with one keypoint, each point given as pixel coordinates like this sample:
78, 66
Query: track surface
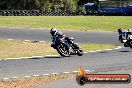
40, 35
104, 61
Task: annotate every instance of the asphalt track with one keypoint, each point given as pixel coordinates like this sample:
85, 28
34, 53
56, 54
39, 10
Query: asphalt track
40, 35
103, 61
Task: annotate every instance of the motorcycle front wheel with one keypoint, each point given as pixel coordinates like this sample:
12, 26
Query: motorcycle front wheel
130, 43
63, 50
80, 52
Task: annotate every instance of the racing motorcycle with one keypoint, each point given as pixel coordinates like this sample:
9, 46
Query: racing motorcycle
66, 48
126, 38
129, 41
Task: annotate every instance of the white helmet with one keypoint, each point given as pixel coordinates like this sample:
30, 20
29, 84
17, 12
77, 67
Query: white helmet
53, 31
129, 30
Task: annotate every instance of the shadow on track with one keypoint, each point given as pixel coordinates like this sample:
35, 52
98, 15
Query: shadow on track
125, 51
103, 52
34, 58
46, 57
53, 57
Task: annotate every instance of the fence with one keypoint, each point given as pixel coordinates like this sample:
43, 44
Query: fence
36, 13
64, 13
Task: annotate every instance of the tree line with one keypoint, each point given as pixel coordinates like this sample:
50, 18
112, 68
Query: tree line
44, 5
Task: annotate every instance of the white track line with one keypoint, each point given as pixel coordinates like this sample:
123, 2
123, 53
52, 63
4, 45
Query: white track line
75, 71
10, 39
27, 76
119, 47
5, 78
66, 72
72, 72
46, 74
87, 70
27, 40
98, 50
12, 58
15, 77
37, 56
108, 49
92, 51
36, 75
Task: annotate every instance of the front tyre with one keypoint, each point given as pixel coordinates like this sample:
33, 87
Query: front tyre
80, 52
130, 43
126, 45
120, 39
63, 50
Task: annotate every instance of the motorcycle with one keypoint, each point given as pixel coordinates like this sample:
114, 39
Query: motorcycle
126, 38
66, 48
129, 41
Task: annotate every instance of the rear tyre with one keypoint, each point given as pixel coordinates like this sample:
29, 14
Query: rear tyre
63, 50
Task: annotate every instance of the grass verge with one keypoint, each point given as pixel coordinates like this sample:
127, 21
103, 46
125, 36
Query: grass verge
94, 47
100, 23
18, 48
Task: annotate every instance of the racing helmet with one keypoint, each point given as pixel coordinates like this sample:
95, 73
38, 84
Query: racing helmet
129, 30
53, 31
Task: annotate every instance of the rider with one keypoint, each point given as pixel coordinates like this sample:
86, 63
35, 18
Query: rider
58, 34
129, 31
120, 31
123, 34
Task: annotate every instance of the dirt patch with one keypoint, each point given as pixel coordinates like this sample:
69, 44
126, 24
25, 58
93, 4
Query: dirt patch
33, 81
19, 48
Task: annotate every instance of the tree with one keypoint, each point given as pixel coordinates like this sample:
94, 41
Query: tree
45, 5
21, 4
70, 5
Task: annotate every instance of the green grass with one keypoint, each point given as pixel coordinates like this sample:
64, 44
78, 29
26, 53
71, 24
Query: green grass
94, 47
17, 48
105, 23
